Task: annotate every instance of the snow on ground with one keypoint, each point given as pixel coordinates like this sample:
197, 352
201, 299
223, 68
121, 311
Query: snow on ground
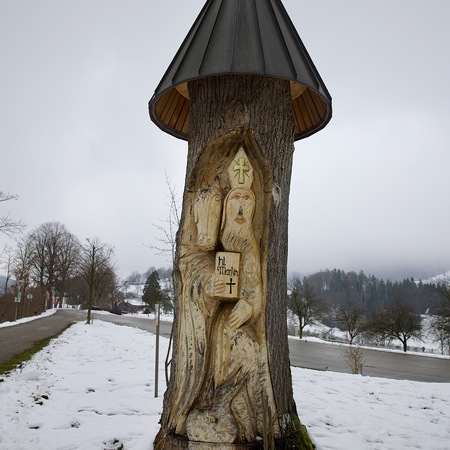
93, 388
152, 316
49, 312
344, 411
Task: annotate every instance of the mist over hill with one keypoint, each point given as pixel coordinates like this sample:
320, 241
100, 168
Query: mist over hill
400, 274
392, 274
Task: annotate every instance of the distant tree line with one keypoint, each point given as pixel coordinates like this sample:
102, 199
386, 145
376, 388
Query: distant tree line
366, 306
52, 265
340, 288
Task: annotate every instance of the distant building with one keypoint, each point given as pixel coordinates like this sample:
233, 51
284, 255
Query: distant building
131, 306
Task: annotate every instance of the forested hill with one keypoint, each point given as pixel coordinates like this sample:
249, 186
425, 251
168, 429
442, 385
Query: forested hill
358, 290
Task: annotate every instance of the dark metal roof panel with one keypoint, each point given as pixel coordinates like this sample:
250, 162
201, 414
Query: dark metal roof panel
294, 49
304, 66
242, 37
222, 32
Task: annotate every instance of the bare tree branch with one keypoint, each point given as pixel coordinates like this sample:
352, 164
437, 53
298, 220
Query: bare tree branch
4, 197
94, 266
6, 262
167, 243
9, 226
305, 303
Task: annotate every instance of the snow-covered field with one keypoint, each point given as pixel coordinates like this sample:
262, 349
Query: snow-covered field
93, 388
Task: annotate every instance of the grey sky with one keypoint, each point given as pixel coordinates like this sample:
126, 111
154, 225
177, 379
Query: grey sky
369, 192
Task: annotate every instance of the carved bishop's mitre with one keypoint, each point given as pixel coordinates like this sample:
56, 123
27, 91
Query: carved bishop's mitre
240, 171
242, 37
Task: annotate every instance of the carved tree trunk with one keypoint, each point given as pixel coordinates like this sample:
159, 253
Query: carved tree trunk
258, 110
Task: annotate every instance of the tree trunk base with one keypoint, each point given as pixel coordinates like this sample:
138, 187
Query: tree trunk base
171, 442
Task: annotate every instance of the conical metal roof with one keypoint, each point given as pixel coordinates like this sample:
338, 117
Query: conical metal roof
242, 37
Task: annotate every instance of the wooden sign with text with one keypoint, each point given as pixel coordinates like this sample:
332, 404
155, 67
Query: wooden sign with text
227, 270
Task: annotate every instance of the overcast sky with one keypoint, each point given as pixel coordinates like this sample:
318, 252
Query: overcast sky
369, 192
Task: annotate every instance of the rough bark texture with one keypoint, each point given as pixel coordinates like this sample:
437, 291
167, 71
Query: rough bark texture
256, 109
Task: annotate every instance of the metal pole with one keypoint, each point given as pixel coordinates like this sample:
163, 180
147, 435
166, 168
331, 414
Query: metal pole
157, 315
17, 300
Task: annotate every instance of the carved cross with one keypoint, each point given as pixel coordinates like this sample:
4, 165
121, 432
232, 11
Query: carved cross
231, 284
242, 167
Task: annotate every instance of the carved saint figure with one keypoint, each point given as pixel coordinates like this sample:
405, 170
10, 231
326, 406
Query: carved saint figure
218, 388
196, 307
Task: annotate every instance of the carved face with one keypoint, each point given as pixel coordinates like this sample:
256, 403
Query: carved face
240, 206
236, 231
207, 214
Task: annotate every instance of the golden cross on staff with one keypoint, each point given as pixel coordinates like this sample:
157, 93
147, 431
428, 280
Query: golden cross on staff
242, 167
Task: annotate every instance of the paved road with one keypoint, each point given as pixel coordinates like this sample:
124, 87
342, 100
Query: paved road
137, 322
396, 365
308, 354
19, 338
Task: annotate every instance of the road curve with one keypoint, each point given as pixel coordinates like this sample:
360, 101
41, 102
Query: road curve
17, 339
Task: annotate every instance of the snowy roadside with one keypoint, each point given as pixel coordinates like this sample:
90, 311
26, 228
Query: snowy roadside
319, 332
47, 313
93, 388
151, 316
379, 349
90, 387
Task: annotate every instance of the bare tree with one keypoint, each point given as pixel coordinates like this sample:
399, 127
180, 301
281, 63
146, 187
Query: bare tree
107, 290
355, 356
134, 278
305, 303
95, 267
54, 256
22, 261
353, 321
167, 243
440, 324
68, 261
440, 329
397, 322
9, 226
168, 229
6, 262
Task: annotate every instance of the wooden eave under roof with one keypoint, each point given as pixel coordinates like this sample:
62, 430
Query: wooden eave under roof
242, 37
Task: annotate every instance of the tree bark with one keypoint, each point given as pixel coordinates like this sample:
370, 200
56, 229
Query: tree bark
256, 109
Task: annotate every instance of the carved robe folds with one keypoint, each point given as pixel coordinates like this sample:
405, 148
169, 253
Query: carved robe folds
222, 379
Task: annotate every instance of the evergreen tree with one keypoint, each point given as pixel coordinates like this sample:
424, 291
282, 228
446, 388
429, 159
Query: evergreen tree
152, 293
